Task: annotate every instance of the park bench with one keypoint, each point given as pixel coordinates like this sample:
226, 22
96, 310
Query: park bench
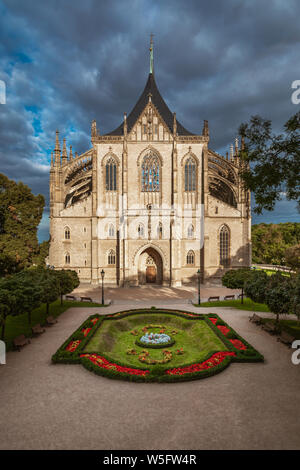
270, 327
286, 338
37, 329
51, 320
255, 319
211, 299
70, 297
229, 297
20, 341
86, 299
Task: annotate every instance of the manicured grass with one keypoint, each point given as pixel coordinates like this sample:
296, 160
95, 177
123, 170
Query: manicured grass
113, 339
247, 305
18, 325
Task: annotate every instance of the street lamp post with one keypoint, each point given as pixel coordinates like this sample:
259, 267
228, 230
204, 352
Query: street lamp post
199, 276
102, 276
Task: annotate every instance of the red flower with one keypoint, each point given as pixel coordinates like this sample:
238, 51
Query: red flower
86, 331
238, 344
214, 320
73, 345
213, 361
223, 329
105, 364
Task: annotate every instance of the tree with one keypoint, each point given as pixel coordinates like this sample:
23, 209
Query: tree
7, 300
30, 293
270, 241
276, 160
68, 281
20, 215
256, 285
278, 294
43, 251
47, 281
236, 278
292, 257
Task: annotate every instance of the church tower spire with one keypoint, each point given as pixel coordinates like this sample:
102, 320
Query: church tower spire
151, 54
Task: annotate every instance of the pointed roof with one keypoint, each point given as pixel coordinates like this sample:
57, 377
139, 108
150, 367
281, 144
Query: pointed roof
160, 105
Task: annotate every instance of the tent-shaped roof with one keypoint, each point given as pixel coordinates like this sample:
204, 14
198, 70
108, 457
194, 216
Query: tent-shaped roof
160, 105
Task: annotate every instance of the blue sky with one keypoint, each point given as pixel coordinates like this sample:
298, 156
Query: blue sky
65, 63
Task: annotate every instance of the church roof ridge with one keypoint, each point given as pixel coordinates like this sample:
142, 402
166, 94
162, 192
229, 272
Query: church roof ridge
160, 105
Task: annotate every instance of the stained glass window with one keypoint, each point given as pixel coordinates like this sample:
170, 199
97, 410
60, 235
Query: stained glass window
190, 257
150, 174
111, 175
190, 175
224, 246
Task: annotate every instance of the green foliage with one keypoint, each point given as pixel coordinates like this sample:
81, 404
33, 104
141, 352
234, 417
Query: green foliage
20, 215
68, 280
236, 278
292, 257
255, 286
270, 242
43, 252
276, 161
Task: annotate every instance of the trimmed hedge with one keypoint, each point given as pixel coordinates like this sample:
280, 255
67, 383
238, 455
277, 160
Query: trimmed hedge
156, 373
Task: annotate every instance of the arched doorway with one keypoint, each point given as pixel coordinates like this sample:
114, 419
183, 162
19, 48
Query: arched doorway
150, 267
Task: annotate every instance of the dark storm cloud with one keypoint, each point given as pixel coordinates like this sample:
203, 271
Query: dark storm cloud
68, 62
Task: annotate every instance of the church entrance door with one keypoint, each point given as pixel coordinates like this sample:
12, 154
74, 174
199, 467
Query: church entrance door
150, 274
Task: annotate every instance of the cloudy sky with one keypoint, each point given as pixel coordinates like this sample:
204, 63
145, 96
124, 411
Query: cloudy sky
67, 62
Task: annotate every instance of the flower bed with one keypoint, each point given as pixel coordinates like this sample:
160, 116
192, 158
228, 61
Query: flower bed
156, 366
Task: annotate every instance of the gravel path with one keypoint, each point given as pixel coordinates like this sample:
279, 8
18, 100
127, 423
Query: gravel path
248, 406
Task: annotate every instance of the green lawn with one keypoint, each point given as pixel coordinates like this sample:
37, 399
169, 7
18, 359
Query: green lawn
247, 305
18, 325
113, 339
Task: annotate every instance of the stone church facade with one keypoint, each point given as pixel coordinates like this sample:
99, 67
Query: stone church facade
148, 203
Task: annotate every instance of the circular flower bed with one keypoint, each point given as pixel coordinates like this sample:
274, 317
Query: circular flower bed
155, 340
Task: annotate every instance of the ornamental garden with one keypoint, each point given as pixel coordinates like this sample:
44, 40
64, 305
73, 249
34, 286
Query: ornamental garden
155, 345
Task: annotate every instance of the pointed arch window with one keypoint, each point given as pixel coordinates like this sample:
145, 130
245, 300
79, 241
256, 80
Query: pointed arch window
111, 231
111, 257
190, 175
150, 173
160, 231
111, 175
67, 233
141, 230
190, 231
224, 246
67, 258
190, 258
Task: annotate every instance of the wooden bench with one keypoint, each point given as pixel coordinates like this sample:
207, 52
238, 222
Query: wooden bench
270, 327
51, 320
286, 338
229, 297
255, 319
20, 341
211, 299
37, 329
70, 297
86, 299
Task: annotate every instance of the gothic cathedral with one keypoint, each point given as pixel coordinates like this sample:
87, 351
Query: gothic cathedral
149, 202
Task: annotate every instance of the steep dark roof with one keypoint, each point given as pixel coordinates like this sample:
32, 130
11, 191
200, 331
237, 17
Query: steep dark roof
160, 105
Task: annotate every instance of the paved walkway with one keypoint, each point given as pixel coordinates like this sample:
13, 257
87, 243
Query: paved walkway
156, 293
47, 406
